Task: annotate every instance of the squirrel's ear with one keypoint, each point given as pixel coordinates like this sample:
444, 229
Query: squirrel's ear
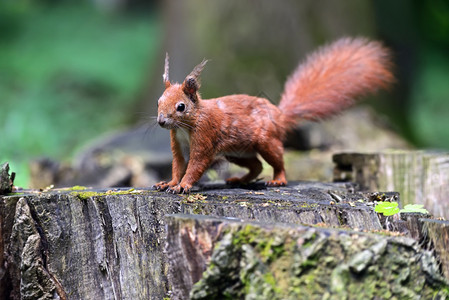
165, 75
190, 86
192, 82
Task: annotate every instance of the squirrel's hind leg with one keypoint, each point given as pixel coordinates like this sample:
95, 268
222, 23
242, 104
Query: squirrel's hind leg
273, 153
252, 163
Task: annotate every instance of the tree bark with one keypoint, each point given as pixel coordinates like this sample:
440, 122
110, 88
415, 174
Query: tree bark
437, 232
99, 244
247, 260
6, 180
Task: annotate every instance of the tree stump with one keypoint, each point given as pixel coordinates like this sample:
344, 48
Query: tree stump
248, 260
109, 244
421, 177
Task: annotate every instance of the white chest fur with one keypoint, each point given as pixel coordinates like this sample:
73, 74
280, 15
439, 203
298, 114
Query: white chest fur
183, 138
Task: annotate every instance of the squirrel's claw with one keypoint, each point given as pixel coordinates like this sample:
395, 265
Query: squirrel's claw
179, 189
186, 190
276, 183
160, 186
165, 186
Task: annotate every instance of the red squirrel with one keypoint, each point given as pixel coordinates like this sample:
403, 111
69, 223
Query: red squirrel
239, 127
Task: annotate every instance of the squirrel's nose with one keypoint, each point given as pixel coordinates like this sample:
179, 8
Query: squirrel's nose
161, 120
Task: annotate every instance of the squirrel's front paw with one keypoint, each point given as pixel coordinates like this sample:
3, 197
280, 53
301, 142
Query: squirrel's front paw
180, 188
160, 186
163, 185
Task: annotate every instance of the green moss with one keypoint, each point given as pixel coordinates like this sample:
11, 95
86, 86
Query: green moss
264, 248
309, 241
270, 249
90, 194
15, 194
77, 188
198, 209
309, 263
308, 205
195, 202
86, 195
272, 282
245, 236
252, 262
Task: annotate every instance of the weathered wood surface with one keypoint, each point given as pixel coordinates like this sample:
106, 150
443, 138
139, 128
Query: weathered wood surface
104, 247
109, 245
5, 187
421, 177
437, 233
244, 260
99, 244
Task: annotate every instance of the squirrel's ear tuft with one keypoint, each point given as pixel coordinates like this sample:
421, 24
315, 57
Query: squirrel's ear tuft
190, 86
192, 82
165, 75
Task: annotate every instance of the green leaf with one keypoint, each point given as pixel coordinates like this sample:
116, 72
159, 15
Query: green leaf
414, 208
391, 211
387, 208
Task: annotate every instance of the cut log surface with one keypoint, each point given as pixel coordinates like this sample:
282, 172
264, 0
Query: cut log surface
247, 260
421, 177
109, 244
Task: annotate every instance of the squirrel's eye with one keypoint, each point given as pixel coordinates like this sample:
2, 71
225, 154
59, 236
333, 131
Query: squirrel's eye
180, 107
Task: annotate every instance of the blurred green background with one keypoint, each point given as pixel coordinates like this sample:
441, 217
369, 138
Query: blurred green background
73, 70
69, 71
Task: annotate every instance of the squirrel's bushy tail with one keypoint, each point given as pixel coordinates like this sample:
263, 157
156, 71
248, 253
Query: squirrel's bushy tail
333, 77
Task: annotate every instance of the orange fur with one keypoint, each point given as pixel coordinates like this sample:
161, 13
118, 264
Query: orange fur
240, 126
331, 78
